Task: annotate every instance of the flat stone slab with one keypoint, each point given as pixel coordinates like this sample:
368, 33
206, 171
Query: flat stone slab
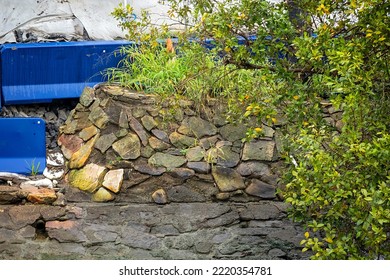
195, 126
259, 150
166, 160
129, 147
227, 179
88, 178
151, 231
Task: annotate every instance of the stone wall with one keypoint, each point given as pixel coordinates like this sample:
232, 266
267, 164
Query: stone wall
130, 147
176, 180
255, 230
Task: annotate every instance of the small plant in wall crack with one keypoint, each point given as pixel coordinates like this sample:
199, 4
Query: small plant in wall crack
33, 167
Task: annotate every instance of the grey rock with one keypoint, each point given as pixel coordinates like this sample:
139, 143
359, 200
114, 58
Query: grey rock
181, 141
62, 114
50, 116
162, 135
199, 167
261, 189
98, 117
227, 158
203, 247
268, 131
10, 195
140, 240
232, 132
263, 211
276, 253
223, 220
7, 176
227, 179
65, 231
183, 173
128, 147
121, 133
87, 96
157, 144
138, 112
105, 142
195, 154
147, 151
100, 234
165, 230
148, 122
259, 150
138, 129
145, 168
207, 143
123, 121
222, 196
166, 160
134, 178
195, 126
254, 168
183, 193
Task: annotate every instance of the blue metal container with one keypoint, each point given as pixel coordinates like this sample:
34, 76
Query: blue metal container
41, 72
22, 145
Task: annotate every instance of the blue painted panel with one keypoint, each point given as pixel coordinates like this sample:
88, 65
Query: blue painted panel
22, 145
41, 72
1, 47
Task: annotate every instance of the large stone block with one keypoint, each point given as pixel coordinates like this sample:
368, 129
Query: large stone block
259, 150
113, 180
79, 158
261, 189
166, 160
128, 147
195, 126
88, 178
227, 179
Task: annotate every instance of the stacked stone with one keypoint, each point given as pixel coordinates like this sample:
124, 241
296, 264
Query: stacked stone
134, 147
255, 230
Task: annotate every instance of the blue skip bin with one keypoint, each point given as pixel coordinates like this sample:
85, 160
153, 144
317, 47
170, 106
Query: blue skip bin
22, 145
41, 72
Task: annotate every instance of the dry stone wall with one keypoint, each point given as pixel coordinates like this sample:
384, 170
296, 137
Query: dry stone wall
176, 180
127, 146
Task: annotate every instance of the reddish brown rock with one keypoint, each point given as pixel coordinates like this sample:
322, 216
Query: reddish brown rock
42, 196
79, 158
88, 132
69, 144
69, 224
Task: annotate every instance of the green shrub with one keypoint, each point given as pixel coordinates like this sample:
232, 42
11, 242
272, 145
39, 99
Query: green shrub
305, 53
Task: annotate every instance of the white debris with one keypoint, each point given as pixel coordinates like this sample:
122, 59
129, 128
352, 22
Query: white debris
8, 176
53, 174
55, 159
39, 183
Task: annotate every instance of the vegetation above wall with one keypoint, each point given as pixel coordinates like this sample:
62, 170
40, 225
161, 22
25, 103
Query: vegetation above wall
305, 54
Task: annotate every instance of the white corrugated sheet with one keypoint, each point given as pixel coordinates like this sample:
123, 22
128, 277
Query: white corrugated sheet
45, 20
